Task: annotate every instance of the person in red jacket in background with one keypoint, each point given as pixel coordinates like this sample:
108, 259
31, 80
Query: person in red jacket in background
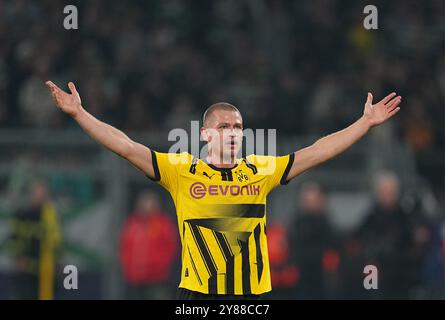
148, 249
284, 272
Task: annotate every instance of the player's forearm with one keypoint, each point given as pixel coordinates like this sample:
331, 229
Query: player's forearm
108, 136
336, 143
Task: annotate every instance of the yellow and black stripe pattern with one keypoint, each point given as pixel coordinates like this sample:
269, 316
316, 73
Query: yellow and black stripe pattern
222, 219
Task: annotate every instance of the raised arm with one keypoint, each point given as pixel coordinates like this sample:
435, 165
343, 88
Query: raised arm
332, 145
111, 138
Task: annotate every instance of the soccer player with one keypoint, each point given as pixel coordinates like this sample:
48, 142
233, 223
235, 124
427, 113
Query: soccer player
221, 200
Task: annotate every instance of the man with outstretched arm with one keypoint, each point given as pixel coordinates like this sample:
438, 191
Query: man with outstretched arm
220, 201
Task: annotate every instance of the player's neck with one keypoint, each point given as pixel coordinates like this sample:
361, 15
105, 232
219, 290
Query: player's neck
221, 163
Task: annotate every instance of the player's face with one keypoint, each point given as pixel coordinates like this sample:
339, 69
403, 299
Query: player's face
224, 133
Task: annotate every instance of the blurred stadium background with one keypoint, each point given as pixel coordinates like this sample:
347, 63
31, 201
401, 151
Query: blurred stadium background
302, 67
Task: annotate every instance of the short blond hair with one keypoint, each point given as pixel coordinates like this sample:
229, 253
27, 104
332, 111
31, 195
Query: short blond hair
218, 106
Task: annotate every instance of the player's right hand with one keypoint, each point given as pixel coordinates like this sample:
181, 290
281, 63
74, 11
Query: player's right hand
68, 103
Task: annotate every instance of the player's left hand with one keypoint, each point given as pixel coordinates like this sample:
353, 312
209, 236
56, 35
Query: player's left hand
382, 110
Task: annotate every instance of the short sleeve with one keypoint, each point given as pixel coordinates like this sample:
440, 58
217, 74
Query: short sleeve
166, 168
276, 169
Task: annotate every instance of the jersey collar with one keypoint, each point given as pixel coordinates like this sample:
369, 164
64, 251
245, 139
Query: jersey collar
220, 169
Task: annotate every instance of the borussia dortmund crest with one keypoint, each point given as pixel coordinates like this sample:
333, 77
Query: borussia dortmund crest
241, 176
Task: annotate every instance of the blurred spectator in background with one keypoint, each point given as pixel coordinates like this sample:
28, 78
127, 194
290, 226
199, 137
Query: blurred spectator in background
314, 245
426, 252
33, 244
284, 274
148, 249
433, 267
385, 236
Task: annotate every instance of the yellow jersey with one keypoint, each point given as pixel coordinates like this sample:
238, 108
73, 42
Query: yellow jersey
222, 219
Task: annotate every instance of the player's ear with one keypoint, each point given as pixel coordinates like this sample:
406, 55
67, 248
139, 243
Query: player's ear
204, 134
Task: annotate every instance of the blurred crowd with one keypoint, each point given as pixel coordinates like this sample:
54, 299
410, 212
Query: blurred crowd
303, 67
311, 259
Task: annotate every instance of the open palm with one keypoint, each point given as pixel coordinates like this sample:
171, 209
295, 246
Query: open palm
382, 110
68, 103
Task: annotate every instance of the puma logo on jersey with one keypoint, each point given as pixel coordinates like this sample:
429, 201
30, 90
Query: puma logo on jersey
210, 177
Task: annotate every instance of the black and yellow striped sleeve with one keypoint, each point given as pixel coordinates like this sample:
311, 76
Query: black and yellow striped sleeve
166, 167
276, 169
